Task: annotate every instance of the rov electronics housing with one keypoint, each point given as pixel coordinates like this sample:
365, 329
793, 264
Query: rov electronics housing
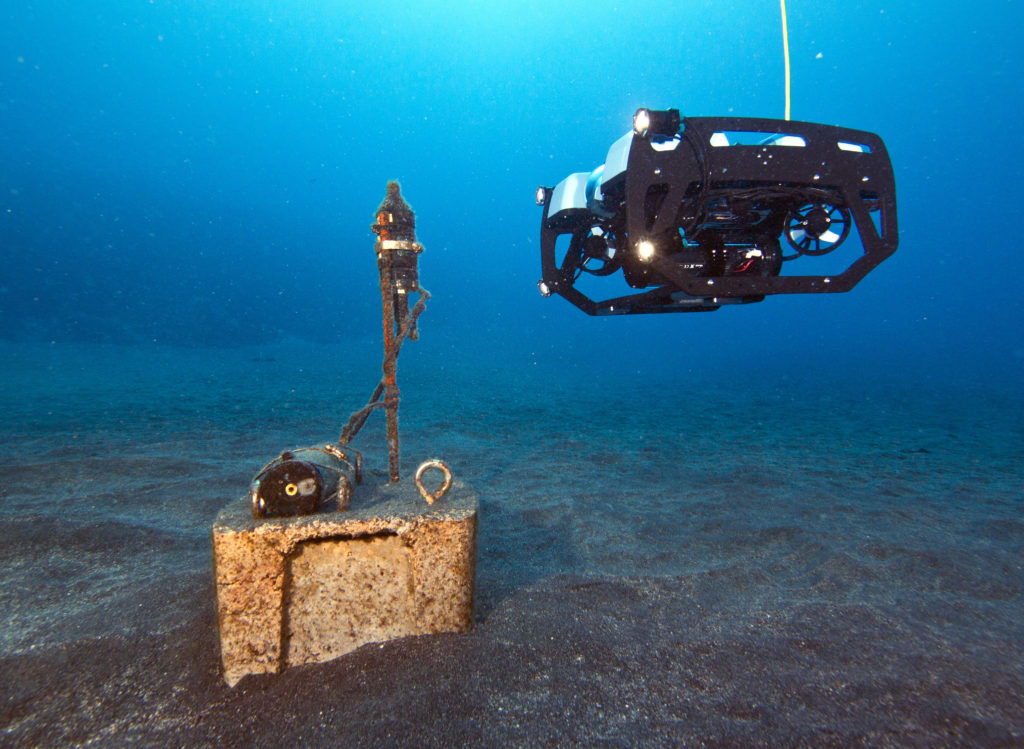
704, 211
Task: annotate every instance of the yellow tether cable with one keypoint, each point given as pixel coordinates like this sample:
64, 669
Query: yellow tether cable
785, 49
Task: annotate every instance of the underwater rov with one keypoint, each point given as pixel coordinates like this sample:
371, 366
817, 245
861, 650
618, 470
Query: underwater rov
704, 211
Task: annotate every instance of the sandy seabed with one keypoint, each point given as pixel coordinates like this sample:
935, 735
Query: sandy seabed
664, 559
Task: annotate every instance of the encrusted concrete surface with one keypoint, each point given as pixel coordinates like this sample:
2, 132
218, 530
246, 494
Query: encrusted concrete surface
309, 589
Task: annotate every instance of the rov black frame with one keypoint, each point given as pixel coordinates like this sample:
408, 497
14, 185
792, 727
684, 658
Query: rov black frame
668, 192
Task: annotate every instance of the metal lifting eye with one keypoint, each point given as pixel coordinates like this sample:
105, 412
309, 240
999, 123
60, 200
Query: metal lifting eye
446, 479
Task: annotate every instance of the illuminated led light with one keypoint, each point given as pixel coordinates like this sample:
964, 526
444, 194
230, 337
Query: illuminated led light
642, 121
645, 250
648, 123
544, 289
542, 195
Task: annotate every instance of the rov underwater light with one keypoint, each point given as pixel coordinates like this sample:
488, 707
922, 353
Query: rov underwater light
647, 122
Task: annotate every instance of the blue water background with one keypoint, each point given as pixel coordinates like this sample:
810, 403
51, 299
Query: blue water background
205, 173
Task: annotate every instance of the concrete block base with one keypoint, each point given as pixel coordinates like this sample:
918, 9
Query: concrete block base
309, 589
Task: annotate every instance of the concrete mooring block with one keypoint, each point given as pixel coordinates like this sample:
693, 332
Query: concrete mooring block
308, 589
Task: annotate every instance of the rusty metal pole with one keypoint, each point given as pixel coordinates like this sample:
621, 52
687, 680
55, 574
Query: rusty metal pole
391, 392
397, 256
